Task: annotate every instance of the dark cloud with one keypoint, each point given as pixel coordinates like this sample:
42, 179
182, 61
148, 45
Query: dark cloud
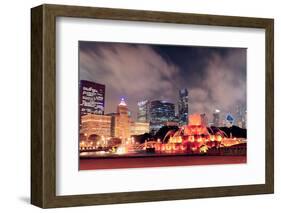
215, 77
223, 85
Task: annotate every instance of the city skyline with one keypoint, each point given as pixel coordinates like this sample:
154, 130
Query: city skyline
157, 113
214, 77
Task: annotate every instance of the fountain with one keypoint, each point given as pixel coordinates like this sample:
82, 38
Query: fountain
193, 138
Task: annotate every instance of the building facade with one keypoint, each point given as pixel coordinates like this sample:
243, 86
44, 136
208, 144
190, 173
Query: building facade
160, 112
91, 98
143, 111
139, 128
121, 122
216, 118
241, 116
183, 106
96, 125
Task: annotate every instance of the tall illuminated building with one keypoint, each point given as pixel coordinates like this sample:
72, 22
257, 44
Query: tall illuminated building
216, 118
183, 106
159, 113
143, 111
121, 121
91, 98
241, 116
91, 109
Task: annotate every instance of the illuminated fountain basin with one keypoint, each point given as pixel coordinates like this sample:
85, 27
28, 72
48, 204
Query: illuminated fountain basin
193, 138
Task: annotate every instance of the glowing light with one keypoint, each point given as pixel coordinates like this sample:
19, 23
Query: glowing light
219, 138
191, 138
183, 148
175, 139
175, 147
122, 103
101, 152
168, 147
194, 119
157, 147
121, 150
203, 149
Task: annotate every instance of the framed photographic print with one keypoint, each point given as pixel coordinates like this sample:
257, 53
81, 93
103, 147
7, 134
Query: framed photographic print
137, 106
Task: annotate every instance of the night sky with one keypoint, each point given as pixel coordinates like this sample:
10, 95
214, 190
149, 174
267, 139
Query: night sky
214, 76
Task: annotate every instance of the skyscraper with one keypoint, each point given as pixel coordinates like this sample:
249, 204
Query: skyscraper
183, 106
143, 111
159, 113
121, 123
216, 118
92, 119
241, 116
91, 98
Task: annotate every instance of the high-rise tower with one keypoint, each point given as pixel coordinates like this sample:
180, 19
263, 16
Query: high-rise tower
91, 97
121, 124
216, 118
143, 111
159, 113
183, 106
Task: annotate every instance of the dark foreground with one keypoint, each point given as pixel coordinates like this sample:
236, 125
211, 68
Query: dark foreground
161, 161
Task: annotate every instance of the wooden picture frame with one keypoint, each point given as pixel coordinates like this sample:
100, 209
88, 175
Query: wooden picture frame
43, 105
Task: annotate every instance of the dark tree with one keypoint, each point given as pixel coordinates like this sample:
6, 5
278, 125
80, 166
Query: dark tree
162, 132
142, 138
233, 131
